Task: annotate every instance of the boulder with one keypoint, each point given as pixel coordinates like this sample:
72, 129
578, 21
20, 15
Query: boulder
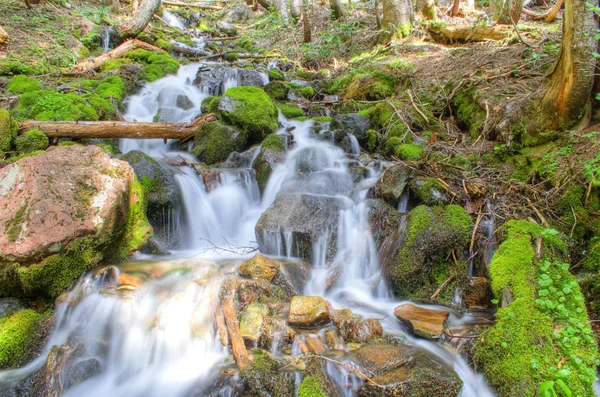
342, 319
184, 102
227, 28
241, 160
374, 360
272, 153
252, 320
421, 321
308, 311
161, 191
215, 141
302, 218
212, 80
236, 13
315, 344
250, 109
354, 123
63, 211
365, 330
392, 183
334, 340
424, 376
9, 306
259, 267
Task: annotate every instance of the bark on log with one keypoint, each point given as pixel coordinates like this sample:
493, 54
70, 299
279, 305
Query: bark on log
193, 5
140, 19
118, 52
397, 20
464, 34
3, 36
116, 129
547, 16
238, 348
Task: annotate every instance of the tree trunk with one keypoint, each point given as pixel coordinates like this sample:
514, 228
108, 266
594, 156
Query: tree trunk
282, 8
96, 63
377, 15
306, 21
455, 8
265, 3
426, 8
134, 5
569, 86
140, 19
296, 9
337, 12
116, 129
397, 20
507, 12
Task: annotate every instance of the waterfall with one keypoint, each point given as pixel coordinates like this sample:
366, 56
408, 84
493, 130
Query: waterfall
161, 340
173, 20
105, 36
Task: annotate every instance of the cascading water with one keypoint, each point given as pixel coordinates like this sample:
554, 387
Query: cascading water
105, 36
157, 337
173, 20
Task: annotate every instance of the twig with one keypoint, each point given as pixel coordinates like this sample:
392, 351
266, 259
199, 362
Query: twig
519, 34
474, 233
416, 108
441, 287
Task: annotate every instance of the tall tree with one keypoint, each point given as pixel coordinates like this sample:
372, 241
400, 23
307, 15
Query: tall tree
569, 85
337, 12
306, 15
507, 11
397, 20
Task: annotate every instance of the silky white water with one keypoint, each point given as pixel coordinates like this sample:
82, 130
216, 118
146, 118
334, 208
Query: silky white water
160, 340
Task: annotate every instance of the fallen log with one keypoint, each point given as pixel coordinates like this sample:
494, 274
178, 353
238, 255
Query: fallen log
238, 348
116, 129
194, 5
465, 34
140, 19
116, 53
547, 16
3, 36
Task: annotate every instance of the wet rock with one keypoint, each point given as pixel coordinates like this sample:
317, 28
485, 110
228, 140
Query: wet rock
308, 311
81, 371
315, 344
252, 320
66, 367
365, 330
477, 293
343, 319
263, 378
421, 321
227, 28
128, 279
9, 306
424, 376
250, 109
355, 124
392, 183
162, 192
260, 267
69, 205
241, 160
209, 175
212, 80
184, 102
310, 159
216, 141
317, 370
236, 14
340, 139
265, 163
377, 359
334, 340
293, 276
303, 218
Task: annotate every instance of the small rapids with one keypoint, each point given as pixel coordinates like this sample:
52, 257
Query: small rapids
148, 324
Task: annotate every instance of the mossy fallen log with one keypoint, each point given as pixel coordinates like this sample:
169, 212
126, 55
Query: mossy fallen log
465, 34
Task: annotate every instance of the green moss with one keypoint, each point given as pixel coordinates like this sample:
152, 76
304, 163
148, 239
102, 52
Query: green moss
104, 108
21, 84
216, 141
306, 92
468, 112
244, 42
32, 141
384, 118
111, 88
263, 378
231, 56
424, 261
210, 104
137, 229
276, 74
67, 143
322, 119
8, 131
310, 387
541, 332
157, 64
409, 151
277, 90
251, 109
274, 142
108, 149
18, 334
371, 140
164, 45
13, 226
53, 105
23, 155
428, 190
9, 67
113, 64
290, 110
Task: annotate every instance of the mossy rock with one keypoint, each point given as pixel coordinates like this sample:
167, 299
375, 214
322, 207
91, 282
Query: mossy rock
310, 387
468, 111
164, 45
262, 376
51, 105
409, 151
290, 110
425, 260
18, 337
8, 131
384, 118
276, 74
210, 104
157, 64
250, 109
31, 141
21, 84
304, 91
277, 90
215, 141
366, 87
111, 88
541, 333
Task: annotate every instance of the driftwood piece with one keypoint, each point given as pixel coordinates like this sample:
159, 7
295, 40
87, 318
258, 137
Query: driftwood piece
116, 53
116, 129
462, 34
238, 348
194, 5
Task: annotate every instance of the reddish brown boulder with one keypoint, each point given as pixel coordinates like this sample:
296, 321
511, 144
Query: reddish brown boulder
54, 198
427, 323
362, 331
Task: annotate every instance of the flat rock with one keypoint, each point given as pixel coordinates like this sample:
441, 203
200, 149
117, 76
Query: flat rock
308, 311
365, 330
252, 321
259, 267
423, 322
56, 197
377, 359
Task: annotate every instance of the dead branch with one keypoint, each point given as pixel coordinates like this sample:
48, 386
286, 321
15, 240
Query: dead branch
118, 52
238, 348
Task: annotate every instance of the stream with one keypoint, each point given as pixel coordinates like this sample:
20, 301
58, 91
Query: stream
159, 338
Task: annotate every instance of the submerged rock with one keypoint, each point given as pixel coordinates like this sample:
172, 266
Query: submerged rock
308, 311
365, 330
377, 359
421, 321
252, 320
259, 267
423, 377
63, 211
